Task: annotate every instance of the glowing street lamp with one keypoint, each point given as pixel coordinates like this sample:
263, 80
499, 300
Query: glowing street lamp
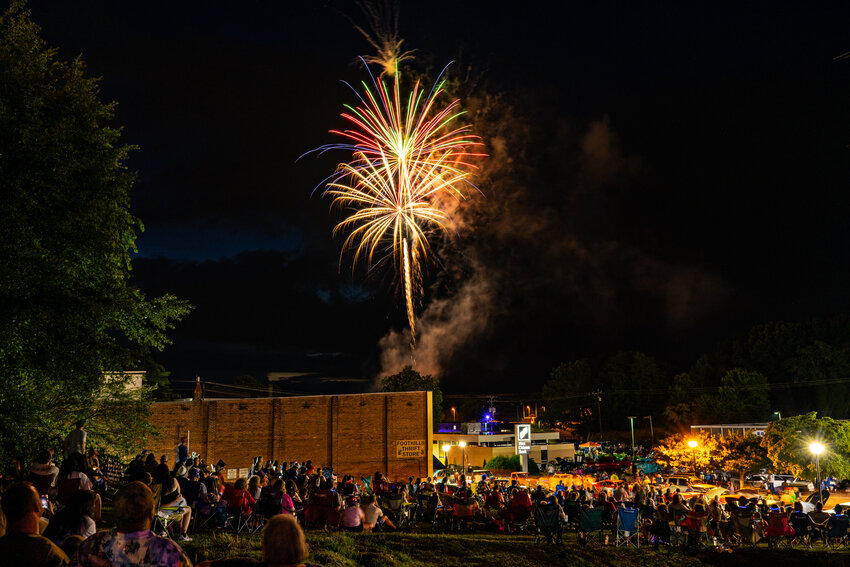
463, 454
454, 416
693, 445
816, 449
446, 448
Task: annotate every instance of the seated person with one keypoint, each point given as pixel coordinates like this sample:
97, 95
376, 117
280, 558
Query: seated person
75, 519
495, 501
171, 497
353, 516
837, 520
72, 478
43, 468
373, 516
818, 518
22, 508
131, 542
205, 504
94, 472
465, 507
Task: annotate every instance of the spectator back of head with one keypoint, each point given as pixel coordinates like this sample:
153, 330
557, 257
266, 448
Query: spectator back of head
134, 508
283, 541
19, 500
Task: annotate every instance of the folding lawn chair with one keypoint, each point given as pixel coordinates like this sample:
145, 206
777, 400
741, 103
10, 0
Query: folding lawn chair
589, 521
778, 532
547, 520
802, 530
837, 531
628, 522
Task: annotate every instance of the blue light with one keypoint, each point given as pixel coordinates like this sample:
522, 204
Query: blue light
486, 417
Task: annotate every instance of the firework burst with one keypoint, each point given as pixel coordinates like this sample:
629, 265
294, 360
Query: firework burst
409, 156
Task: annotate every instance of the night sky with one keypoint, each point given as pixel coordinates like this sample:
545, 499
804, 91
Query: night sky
661, 177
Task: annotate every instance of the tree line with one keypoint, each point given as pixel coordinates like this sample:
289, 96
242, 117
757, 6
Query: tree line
786, 367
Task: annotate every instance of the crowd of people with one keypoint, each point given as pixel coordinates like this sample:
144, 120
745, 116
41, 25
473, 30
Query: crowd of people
54, 516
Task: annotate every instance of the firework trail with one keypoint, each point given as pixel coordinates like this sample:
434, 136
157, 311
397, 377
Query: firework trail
408, 155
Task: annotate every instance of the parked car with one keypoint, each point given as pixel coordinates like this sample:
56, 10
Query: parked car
608, 463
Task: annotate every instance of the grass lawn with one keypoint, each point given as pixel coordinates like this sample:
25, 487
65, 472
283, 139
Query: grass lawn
496, 550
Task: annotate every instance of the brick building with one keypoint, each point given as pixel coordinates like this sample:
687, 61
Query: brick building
356, 434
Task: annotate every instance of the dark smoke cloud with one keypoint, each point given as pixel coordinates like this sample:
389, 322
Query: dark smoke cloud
546, 254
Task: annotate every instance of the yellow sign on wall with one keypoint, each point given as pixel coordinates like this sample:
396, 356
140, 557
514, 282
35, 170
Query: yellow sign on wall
410, 449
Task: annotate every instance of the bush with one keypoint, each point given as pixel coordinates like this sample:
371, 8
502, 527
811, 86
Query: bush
511, 464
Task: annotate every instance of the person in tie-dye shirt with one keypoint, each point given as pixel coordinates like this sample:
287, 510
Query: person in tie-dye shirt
132, 542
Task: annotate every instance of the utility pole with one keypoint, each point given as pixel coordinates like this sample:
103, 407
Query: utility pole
599, 410
632, 423
651, 432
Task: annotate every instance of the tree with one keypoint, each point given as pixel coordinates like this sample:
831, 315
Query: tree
66, 235
680, 401
743, 396
156, 379
674, 451
409, 380
787, 443
566, 399
824, 367
745, 454
629, 380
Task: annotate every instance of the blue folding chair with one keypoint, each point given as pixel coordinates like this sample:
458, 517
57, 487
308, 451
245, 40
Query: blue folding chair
628, 527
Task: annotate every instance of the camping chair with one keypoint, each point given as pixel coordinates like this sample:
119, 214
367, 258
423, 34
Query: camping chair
778, 531
165, 516
444, 510
802, 530
696, 527
678, 532
239, 508
589, 521
463, 513
519, 517
397, 509
203, 514
837, 531
322, 510
659, 531
547, 519
571, 509
426, 505
628, 523
745, 528
367, 484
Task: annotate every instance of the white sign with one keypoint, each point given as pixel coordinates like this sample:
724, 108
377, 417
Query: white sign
522, 438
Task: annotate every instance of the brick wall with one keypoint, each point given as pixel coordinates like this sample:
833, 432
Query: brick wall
356, 434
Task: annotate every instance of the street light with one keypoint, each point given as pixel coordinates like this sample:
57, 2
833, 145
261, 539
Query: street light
446, 448
463, 455
454, 416
816, 449
693, 445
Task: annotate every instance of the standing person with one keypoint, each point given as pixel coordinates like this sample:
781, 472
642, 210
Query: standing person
22, 545
182, 451
132, 542
75, 442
